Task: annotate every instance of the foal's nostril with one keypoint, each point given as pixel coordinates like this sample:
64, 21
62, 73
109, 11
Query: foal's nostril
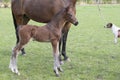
76, 23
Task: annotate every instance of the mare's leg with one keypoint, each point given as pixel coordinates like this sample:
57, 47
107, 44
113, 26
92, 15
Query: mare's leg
19, 20
55, 45
60, 49
64, 40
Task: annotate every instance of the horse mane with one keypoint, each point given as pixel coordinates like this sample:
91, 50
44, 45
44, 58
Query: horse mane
62, 11
72, 2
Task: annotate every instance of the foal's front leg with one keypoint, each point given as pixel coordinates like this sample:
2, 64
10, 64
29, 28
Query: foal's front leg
55, 45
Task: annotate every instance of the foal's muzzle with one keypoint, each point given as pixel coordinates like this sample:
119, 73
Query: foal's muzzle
105, 27
76, 23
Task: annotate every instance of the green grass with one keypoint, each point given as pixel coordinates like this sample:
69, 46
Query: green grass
90, 46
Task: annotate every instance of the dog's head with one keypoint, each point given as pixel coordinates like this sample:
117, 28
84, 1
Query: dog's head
109, 25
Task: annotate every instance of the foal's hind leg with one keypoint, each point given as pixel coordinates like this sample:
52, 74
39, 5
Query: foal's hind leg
19, 46
20, 20
13, 60
25, 21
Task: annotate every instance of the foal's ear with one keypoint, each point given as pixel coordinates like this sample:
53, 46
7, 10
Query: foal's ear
67, 8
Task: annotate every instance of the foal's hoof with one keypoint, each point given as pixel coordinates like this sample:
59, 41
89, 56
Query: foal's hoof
61, 62
60, 69
14, 70
57, 75
18, 73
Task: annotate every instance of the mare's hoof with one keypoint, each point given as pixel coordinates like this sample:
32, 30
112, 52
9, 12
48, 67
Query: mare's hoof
23, 54
67, 59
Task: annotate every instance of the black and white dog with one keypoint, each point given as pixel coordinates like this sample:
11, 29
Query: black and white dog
115, 30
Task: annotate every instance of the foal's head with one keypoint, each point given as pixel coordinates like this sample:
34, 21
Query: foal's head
70, 16
109, 25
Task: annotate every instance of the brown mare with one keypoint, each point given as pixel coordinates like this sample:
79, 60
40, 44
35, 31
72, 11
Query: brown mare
50, 32
41, 11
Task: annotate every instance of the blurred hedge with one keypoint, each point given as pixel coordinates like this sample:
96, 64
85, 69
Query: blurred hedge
100, 1
85, 1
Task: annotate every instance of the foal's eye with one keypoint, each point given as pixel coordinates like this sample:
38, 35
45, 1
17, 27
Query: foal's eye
70, 15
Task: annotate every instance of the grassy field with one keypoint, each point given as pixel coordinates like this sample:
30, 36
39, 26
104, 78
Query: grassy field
90, 46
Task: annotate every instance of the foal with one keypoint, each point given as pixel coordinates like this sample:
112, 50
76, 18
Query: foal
51, 32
